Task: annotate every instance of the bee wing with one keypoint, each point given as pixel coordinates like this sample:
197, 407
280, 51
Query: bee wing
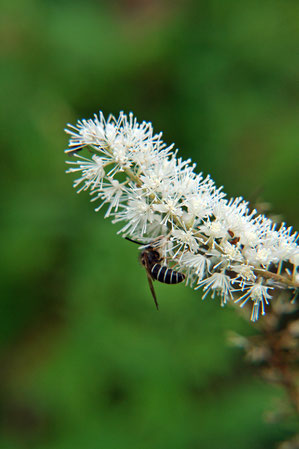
150, 281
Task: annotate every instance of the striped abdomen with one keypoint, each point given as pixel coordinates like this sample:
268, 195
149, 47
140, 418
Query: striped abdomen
166, 275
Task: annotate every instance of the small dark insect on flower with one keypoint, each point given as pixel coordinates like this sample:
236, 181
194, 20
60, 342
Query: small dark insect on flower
152, 260
233, 240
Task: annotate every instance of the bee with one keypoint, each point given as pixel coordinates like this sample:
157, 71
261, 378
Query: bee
152, 260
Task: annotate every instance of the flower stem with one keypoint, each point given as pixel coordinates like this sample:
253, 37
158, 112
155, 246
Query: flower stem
276, 277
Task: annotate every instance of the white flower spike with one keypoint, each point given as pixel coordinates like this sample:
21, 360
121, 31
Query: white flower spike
218, 244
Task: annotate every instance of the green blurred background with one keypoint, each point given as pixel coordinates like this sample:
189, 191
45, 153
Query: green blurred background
86, 361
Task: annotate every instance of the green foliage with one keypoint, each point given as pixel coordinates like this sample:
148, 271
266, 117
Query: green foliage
86, 359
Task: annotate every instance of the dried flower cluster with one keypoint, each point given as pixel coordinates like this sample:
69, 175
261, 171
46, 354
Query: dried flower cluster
218, 243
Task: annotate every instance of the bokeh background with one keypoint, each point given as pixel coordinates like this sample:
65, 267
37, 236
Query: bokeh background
86, 361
